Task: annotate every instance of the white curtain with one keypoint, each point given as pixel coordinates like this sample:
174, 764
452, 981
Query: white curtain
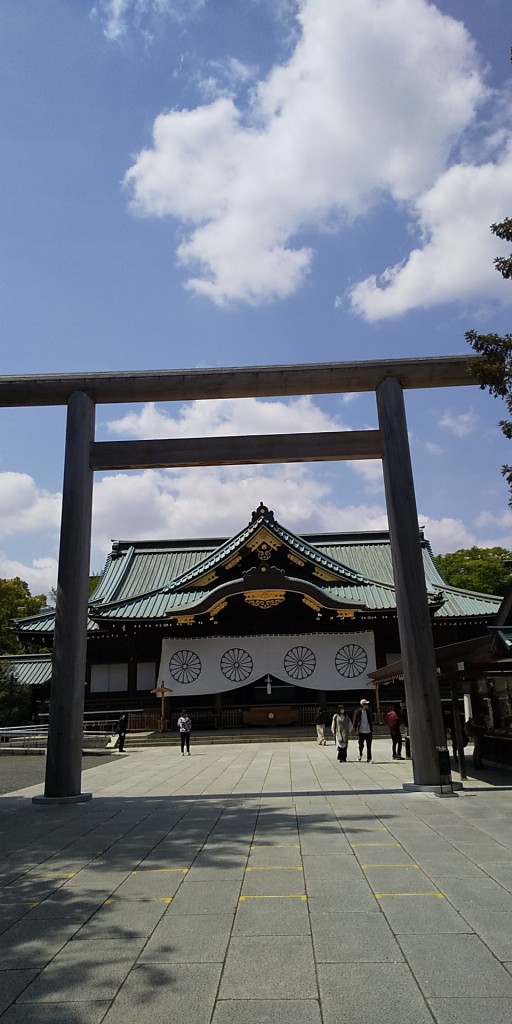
316, 661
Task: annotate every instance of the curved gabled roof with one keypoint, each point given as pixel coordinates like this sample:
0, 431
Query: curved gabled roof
152, 580
263, 519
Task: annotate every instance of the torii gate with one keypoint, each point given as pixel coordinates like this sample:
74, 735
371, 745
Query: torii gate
84, 455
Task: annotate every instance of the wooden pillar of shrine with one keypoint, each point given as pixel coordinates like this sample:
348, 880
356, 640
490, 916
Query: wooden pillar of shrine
416, 641
65, 724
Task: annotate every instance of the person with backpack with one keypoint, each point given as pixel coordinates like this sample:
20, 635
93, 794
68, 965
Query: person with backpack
184, 725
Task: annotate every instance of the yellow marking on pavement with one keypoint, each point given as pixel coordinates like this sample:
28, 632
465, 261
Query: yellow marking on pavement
365, 866
356, 845
277, 867
150, 871
283, 896
23, 903
52, 874
380, 895
138, 899
367, 828
276, 846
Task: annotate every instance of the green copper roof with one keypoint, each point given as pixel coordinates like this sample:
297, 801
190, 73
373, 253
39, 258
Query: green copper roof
262, 518
150, 580
29, 669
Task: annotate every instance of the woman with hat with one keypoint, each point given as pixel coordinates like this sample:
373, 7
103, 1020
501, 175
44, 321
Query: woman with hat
340, 728
363, 726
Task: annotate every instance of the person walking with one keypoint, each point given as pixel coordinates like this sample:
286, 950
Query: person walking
320, 723
393, 721
363, 726
340, 728
121, 730
475, 728
184, 725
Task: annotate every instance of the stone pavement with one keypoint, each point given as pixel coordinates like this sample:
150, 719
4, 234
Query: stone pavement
257, 884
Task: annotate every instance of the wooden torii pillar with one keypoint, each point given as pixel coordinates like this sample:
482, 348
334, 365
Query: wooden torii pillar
424, 712
65, 724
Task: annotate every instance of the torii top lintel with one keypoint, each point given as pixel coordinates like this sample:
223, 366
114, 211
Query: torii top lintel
238, 381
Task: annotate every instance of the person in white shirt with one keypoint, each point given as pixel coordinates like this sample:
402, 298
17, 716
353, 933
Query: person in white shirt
184, 725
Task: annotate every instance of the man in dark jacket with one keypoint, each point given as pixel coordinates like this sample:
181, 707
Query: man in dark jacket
121, 729
363, 726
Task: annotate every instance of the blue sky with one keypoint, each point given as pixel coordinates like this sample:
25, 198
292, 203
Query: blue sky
215, 182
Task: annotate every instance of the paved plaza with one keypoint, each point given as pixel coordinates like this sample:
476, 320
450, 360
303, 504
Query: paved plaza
259, 883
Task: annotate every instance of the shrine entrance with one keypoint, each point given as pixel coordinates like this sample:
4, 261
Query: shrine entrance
83, 456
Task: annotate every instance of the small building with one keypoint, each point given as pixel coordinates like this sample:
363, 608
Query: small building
255, 629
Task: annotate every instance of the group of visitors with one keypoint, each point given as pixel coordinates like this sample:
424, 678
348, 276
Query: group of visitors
184, 725
362, 724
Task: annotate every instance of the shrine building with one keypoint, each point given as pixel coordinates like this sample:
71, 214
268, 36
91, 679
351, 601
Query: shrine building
256, 629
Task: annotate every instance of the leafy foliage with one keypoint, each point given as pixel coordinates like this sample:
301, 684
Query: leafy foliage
16, 701
493, 369
16, 602
480, 569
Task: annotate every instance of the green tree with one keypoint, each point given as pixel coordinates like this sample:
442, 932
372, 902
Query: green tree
93, 583
493, 370
16, 602
16, 706
480, 569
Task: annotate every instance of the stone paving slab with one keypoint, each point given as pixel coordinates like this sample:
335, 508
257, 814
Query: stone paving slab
98, 928
495, 928
268, 1011
129, 919
204, 898
455, 965
258, 965
160, 993
195, 939
155, 882
12, 984
32, 944
76, 981
56, 1013
409, 915
366, 939
390, 994
326, 898
471, 1011
480, 892
272, 917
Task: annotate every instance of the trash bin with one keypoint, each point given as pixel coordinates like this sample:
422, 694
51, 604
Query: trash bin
445, 771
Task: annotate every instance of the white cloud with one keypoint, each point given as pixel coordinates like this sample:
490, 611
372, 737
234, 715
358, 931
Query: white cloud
370, 470
370, 103
221, 417
24, 507
455, 258
40, 575
502, 520
446, 534
118, 16
432, 448
462, 424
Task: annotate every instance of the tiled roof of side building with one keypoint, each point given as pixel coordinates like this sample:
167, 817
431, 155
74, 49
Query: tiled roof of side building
29, 669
